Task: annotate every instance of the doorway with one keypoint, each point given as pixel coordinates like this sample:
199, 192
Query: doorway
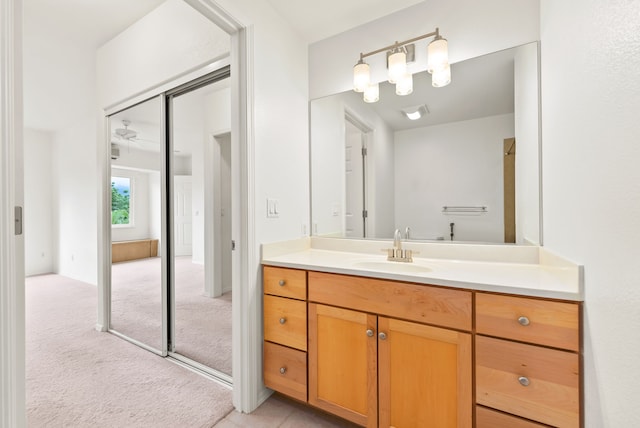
356, 213
167, 299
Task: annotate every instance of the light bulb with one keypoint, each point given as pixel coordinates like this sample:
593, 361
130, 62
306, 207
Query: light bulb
442, 77
414, 115
437, 54
361, 76
372, 93
404, 85
397, 64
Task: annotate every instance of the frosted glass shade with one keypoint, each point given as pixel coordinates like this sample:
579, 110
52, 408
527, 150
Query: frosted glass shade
361, 76
397, 64
404, 85
372, 93
442, 77
437, 55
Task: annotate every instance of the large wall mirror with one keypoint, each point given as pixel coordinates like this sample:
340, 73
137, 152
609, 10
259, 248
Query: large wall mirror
467, 170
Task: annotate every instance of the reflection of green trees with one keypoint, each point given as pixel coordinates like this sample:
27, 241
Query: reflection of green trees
119, 206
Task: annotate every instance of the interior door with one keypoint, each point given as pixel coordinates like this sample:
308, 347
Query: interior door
182, 214
509, 168
137, 233
200, 321
354, 182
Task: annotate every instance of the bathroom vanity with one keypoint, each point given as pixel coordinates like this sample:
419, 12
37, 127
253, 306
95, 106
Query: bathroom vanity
491, 338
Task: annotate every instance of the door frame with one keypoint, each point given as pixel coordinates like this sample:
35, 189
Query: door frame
12, 300
248, 391
214, 225
366, 131
105, 240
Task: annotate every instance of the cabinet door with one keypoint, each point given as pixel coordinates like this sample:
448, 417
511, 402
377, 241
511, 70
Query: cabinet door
342, 363
424, 374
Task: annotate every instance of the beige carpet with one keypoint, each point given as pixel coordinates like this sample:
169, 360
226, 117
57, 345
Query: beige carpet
202, 326
78, 377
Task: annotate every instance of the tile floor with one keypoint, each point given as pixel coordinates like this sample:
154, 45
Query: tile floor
281, 412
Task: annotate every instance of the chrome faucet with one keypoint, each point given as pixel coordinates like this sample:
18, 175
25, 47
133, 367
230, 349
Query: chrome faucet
407, 232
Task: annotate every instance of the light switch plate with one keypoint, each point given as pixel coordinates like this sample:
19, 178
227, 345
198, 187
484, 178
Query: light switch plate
272, 208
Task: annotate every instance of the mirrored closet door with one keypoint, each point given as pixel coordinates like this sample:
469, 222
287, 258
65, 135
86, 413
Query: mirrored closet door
200, 321
171, 224
137, 241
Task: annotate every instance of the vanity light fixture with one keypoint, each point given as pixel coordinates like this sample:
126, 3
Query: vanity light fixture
398, 54
371, 93
415, 112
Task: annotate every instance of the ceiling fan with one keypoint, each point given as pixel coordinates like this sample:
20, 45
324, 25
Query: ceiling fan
126, 133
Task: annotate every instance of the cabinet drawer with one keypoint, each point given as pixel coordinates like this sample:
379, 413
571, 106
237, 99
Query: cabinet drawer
285, 282
425, 304
487, 418
285, 321
542, 322
285, 370
552, 380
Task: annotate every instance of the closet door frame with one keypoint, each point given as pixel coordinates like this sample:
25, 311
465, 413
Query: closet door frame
164, 238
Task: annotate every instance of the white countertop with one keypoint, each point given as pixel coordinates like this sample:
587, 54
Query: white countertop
532, 272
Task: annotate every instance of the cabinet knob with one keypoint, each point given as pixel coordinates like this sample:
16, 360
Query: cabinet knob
283, 370
523, 321
382, 336
283, 320
524, 381
282, 282
370, 333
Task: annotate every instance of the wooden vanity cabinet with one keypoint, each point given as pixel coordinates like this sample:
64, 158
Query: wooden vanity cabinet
285, 331
378, 370
527, 354
384, 353
343, 363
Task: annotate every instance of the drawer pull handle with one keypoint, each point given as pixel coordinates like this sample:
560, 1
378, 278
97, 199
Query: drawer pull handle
283, 370
524, 381
283, 320
370, 333
282, 282
382, 336
524, 321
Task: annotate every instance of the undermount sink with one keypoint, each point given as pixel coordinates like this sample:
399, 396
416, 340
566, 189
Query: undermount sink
387, 266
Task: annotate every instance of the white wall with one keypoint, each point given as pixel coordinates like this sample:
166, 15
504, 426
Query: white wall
591, 178
217, 120
134, 158
188, 125
328, 170
281, 127
70, 83
38, 234
527, 133
165, 43
74, 200
218, 111
473, 28
454, 164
